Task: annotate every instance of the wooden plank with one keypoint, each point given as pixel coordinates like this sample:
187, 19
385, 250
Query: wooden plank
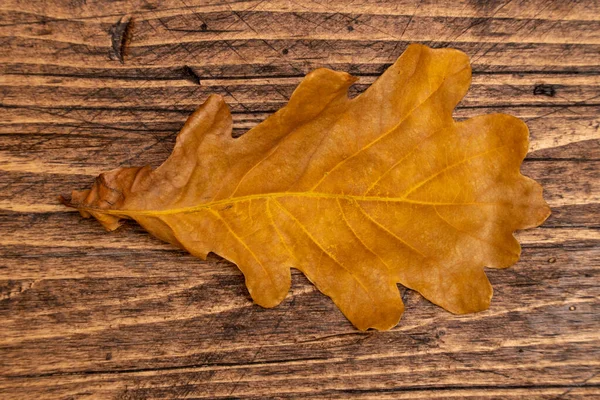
556, 132
176, 323
27, 183
306, 55
230, 25
263, 94
536, 9
219, 40
24, 229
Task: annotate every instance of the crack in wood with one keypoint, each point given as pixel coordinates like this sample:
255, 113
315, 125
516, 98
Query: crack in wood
189, 74
159, 369
119, 36
544, 90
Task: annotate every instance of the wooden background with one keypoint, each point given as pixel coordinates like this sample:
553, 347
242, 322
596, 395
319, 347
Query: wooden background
89, 86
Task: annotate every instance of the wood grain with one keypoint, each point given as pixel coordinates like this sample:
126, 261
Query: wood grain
88, 314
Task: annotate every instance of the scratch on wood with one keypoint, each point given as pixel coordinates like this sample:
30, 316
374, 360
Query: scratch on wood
119, 35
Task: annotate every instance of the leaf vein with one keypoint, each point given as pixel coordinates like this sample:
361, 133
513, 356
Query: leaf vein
275, 195
472, 235
241, 241
390, 232
277, 230
307, 233
358, 237
393, 129
402, 159
445, 169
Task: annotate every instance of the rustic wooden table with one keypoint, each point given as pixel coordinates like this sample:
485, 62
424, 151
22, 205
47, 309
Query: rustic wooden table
88, 314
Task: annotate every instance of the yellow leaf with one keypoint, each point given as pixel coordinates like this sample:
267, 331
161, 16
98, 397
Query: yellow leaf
357, 194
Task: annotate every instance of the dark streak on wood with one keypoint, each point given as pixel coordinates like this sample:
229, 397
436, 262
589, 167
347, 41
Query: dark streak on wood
174, 368
434, 388
174, 73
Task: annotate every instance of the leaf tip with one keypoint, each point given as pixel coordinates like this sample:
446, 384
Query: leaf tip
71, 201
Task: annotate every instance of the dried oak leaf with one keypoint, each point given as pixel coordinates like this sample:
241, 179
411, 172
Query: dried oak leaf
358, 194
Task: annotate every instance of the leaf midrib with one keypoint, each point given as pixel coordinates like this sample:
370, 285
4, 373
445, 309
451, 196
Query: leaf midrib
276, 195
